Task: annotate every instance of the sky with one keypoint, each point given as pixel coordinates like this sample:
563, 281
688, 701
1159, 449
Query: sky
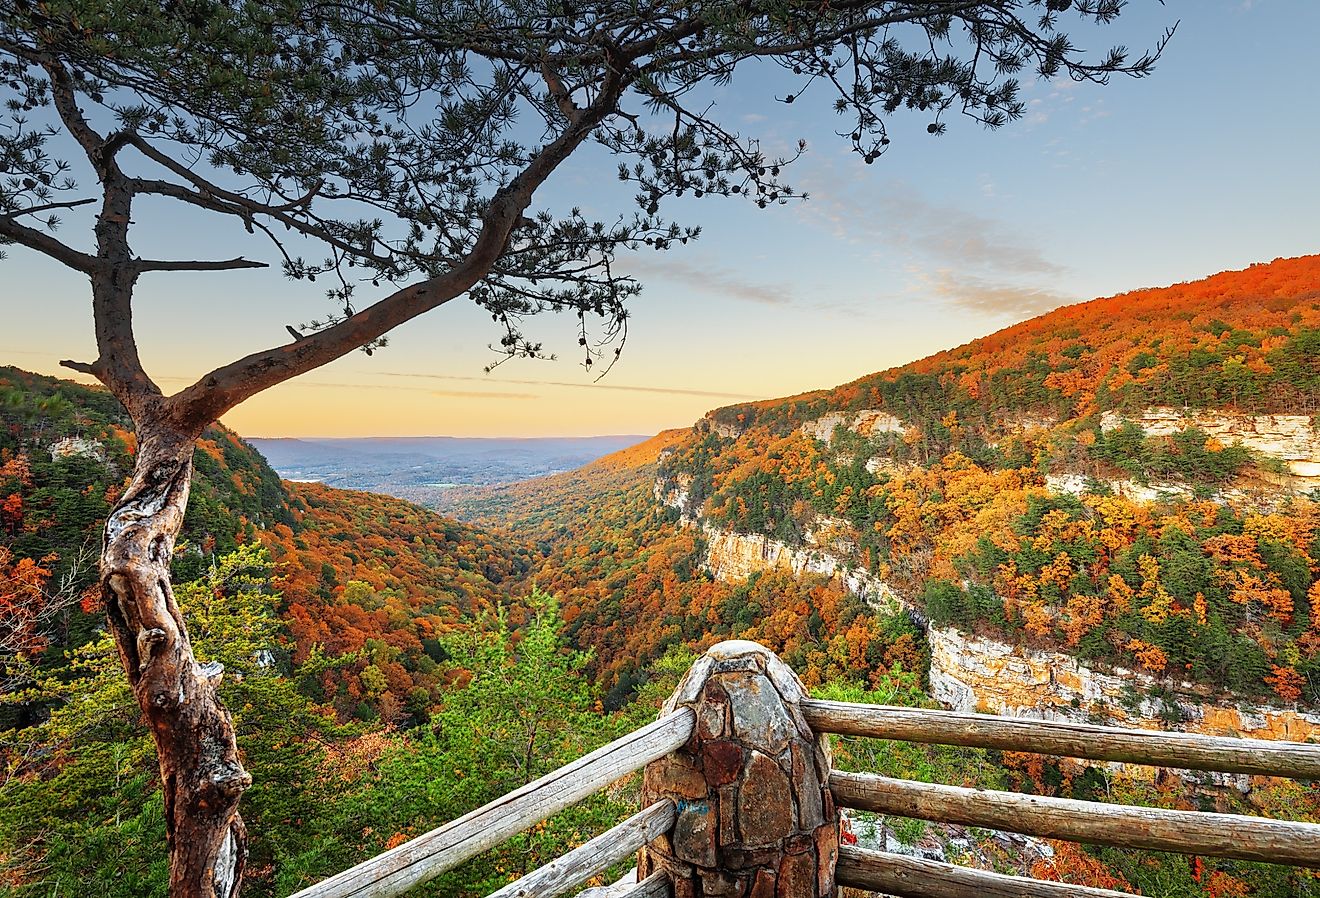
1209, 164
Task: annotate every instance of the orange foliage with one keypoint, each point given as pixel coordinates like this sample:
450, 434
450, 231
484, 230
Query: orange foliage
1071, 863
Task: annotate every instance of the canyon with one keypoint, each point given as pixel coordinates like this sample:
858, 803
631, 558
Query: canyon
981, 671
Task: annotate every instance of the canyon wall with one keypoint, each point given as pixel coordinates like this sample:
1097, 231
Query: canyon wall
733, 557
1292, 440
979, 673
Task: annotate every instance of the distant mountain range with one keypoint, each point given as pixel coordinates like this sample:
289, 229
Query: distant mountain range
421, 469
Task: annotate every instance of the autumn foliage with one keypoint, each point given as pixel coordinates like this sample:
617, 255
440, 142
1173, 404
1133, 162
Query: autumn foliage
943, 478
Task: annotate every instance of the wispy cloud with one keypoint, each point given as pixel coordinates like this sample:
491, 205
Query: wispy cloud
708, 278
481, 394
630, 388
897, 214
443, 394
956, 255
494, 394
989, 298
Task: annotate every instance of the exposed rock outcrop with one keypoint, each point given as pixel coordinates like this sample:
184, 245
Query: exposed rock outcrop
69, 447
976, 673
733, 557
1291, 439
868, 422
676, 492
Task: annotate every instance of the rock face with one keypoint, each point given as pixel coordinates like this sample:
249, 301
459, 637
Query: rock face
730, 431
983, 849
973, 673
868, 422
755, 815
1292, 439
676, 493
733, 557
71, 446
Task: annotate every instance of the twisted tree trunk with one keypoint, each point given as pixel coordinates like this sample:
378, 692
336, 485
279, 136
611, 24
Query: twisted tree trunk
201, 775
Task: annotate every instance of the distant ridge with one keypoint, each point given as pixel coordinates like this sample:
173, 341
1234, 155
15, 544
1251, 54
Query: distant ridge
420, 469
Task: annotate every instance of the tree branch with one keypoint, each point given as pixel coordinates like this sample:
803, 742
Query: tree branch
225, 387
66, 104
47, 207
43, 243
184, 265
562, 97
216, 199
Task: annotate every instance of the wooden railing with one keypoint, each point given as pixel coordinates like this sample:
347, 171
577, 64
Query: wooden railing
720, 819
444, 848
1188, 751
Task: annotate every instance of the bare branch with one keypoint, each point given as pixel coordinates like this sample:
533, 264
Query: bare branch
185, 265
47, 207
216, 199
12, 231
83, 367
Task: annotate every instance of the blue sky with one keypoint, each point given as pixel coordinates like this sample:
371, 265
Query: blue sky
1207, 165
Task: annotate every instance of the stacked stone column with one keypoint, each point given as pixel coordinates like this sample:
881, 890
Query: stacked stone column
755, 815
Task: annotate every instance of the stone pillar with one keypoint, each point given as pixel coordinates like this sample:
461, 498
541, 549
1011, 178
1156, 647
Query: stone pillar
755, 815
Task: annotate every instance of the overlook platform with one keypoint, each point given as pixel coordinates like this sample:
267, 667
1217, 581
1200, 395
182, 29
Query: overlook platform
740, 800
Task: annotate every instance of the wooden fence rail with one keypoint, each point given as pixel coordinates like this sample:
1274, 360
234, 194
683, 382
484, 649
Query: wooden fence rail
1073, 740
910, 877
1186, 832
754, 765
427, 856
592, 858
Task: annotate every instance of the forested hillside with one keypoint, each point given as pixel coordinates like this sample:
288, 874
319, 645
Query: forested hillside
1129, 482
1245, 339
632, 585
357, 572
369, 650
1133, 479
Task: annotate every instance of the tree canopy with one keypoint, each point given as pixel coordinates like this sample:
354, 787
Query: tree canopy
393, 149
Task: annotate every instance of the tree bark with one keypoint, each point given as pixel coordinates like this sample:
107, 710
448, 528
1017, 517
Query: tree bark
201, 775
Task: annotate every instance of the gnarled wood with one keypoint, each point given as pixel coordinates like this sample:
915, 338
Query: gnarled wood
912, 877
201, 775
1186, 832
1072, 740
427, 856
566, 873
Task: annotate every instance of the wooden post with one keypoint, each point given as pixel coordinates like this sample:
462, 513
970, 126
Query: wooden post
755, 814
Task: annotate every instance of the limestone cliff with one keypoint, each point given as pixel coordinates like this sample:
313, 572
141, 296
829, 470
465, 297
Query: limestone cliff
976, 673
733, 557
868, 423
979, 673
1293, 440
